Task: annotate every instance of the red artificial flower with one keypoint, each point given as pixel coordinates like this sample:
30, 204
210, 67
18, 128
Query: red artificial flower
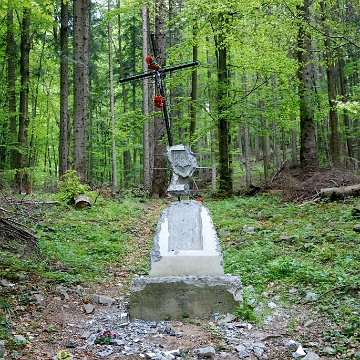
158, 101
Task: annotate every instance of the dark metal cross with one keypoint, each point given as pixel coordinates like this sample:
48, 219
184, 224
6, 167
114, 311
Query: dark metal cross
157, 73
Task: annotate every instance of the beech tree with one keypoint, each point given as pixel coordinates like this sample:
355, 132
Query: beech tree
81, 59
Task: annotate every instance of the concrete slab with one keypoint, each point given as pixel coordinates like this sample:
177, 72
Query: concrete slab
185, 242
179, 296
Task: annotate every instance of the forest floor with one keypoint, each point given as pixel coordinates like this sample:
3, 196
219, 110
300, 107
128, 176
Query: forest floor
54, 322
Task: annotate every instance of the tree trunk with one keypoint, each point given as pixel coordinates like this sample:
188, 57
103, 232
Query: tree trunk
194, 85
22, 178
308, 146
81, 56
146, 101
330, 74
159, 180
112, 106
10, 52
265, 141
64, 90
247, 156
343, 94
225, 185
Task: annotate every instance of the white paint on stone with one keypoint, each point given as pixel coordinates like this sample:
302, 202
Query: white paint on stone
186, 242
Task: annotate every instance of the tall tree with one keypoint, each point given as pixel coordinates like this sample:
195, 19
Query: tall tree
221, 51
11, 75
112, 102
22, 177
147, 158
308, 146
330, 75
81, 58
159, 180
64, 90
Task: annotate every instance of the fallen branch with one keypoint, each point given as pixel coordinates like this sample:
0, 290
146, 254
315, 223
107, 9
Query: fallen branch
340, 192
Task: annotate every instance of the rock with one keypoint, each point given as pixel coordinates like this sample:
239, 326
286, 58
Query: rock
102, 299
272, 305
311, 356
85, 335
4, 282
205, 352
38, 298
329, 350
248, 229
309, 323
291, 344
293, 291
106, 351
19, 339
64, 294
240, 348
299, 353
89, 308
310, 296
228, 318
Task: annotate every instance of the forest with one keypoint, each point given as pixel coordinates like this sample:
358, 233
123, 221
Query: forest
276, 85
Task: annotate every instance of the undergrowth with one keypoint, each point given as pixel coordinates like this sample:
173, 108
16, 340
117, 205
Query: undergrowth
267, 242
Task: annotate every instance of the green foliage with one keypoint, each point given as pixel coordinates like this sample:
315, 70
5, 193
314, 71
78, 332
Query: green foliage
246, 311
70, 187
63, 355
88, 243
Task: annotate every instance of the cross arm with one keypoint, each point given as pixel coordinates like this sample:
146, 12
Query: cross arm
152, 73
139, 76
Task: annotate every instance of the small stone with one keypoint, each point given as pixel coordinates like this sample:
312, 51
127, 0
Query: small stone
102, 299
293, 291
258, 351
291, 344
310, 296
243, 354
20, 339
240, 348
108, 350
89, 308
39, 298
311, 356
205, 352
329, 350
272, 305
4, 282
299, 353
228, 318
248, 229
85, 335
309, 323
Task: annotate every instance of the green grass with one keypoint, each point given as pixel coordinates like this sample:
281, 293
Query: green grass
312, 247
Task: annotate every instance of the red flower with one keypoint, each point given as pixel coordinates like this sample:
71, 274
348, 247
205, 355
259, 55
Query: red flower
149, 59
200, 200
158, 101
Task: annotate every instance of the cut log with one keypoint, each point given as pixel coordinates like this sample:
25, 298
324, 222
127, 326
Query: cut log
340, 192
82, 201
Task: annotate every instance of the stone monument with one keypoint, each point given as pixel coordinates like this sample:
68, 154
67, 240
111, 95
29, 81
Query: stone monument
186, 273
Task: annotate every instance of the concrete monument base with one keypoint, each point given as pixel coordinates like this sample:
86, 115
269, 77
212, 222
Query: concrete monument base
174, 297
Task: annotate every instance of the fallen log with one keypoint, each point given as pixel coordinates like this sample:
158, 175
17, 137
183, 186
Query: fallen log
340, 192
82, 201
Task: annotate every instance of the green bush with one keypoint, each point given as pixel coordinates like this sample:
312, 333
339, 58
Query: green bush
70, 188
